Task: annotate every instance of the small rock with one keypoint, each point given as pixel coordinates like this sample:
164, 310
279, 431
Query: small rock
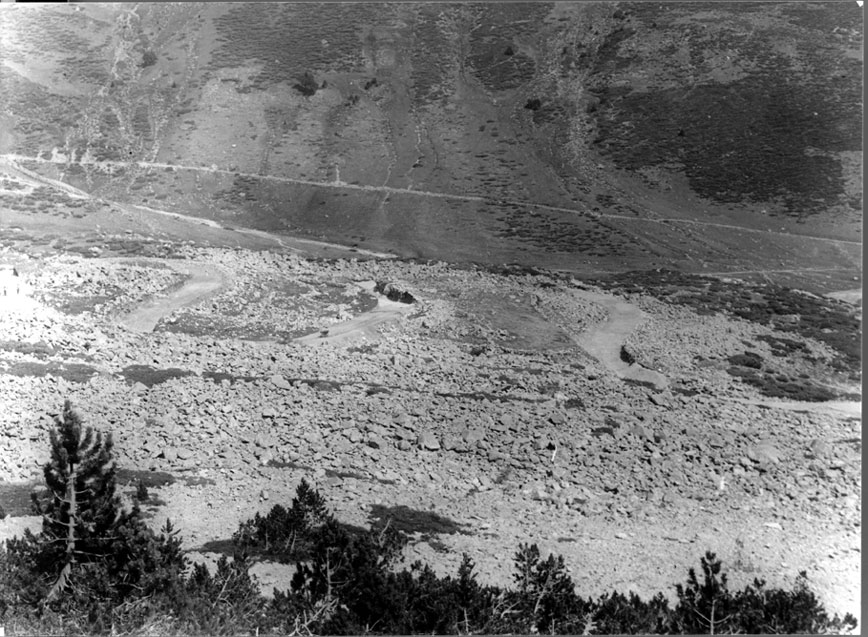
764, 452
818, 448
280, 382
661, 400
621, 536
472, 436
375, 442
539, 494
263, 494
428, 440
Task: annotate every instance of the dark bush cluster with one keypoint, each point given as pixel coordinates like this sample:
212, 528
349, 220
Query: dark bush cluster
149, 58
307, 84
98, 569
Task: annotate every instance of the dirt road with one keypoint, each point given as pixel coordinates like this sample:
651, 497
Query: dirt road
604, 341
204, 280
362, 326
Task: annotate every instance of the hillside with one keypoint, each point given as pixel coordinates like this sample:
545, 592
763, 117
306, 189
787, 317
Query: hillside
579, 274
588, 137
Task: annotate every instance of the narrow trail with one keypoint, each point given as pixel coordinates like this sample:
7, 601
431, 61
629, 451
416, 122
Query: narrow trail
13, 158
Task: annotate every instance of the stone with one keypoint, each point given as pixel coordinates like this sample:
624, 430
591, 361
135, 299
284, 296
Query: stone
661, 400
375, 442
170, 454
269, 412
265, 441
472, 435
640, 431
818, 448
184, 453
539, 494
280, 382
450, 442
764, 452
495, 456
403, 434
428, 440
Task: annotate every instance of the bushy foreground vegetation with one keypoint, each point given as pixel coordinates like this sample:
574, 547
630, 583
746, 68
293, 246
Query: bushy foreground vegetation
96, 568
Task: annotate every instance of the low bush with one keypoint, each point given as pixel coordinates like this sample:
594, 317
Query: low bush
751, 360
97, 569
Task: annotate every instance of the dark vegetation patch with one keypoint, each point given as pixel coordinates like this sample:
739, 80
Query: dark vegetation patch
493, 52
150, 479
433, 60
751, 360
15, 498
78, 304
72, 372
831, 322
574, 403
117, 565
769, 136
150, 376
783, 347
342, 474
778, 385
411, 521
287, 40
219, 377
394, 293
39, 350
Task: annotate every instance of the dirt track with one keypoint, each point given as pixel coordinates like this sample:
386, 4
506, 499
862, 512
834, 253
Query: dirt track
604, 341
204, 281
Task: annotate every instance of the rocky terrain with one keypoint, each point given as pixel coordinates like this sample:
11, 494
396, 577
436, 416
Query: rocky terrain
481, 401
499, 273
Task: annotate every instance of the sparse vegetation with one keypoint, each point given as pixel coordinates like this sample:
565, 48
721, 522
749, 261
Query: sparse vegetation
97, 569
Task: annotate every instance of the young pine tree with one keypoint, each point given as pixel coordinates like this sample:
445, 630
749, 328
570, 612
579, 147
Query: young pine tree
81, 506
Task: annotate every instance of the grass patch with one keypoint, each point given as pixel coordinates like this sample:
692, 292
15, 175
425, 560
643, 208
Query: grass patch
776, 385
403, 518
72, 372
39, 350
15, 497
150, 376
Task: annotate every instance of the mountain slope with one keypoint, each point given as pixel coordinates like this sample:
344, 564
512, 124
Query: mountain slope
549, 134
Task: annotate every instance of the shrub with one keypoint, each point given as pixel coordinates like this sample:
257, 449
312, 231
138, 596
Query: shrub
285, 534
307, 84
748, 359
91, 557
149, 58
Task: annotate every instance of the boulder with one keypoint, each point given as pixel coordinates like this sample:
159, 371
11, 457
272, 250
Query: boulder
280, 382
428, 440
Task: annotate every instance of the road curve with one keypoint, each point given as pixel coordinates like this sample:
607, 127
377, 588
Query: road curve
204, 280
